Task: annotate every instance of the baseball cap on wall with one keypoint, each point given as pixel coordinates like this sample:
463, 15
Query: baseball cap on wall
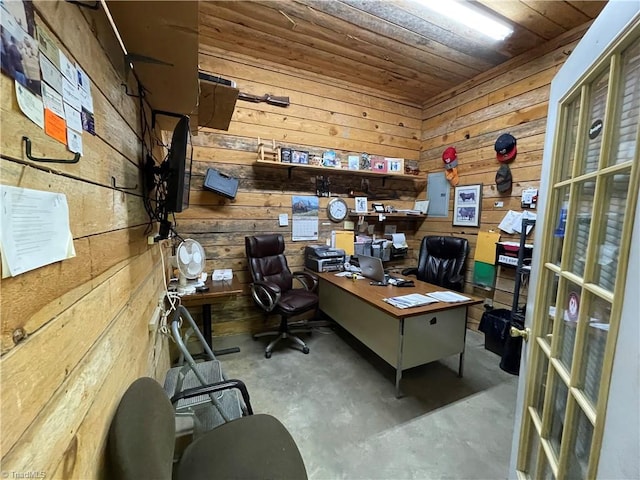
450, 158
506, 147
504, 180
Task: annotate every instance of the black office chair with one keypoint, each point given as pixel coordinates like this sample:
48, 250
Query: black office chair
141, 443
441, 262
272, 287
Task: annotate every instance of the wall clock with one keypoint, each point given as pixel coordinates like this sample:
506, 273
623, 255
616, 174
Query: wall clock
337, 210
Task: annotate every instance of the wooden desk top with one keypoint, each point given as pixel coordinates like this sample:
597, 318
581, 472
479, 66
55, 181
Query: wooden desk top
218, 290
374, 294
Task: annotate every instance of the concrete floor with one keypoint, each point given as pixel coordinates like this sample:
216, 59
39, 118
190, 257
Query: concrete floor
339, 404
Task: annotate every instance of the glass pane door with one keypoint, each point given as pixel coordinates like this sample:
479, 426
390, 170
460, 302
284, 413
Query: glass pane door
584, 251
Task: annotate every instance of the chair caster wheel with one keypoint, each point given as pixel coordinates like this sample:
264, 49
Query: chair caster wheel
267, 354
305, 350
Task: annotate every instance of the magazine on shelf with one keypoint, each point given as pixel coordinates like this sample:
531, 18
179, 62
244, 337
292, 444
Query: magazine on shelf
410, 300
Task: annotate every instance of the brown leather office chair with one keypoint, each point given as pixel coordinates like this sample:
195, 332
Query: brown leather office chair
441, 261
272, 287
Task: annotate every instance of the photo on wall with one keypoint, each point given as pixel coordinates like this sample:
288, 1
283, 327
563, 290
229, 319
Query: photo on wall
466, 205
20, 53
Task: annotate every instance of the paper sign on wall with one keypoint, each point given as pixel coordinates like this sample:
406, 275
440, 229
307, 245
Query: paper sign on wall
55, 126
34, 229
30, 104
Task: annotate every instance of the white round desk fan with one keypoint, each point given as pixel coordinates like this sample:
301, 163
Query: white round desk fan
190, 260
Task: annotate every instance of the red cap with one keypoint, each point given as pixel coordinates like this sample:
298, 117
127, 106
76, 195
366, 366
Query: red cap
450, 158
506, 148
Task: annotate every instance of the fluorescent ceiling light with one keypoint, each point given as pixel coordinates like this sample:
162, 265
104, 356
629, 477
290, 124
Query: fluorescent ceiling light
471, 17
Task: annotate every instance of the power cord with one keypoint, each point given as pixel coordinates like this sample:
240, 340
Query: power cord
172, 297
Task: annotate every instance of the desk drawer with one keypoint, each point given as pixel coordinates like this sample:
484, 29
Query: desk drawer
433, 336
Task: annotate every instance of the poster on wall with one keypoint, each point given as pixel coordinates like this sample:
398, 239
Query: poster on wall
19, 55
305, 218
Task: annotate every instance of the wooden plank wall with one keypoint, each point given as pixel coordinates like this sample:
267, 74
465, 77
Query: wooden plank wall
324, 114
74, 333
510, 98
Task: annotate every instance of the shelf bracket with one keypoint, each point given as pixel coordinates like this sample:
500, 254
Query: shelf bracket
27, 149
165, 113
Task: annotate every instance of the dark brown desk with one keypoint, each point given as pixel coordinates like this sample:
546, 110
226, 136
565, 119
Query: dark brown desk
404, 338
219, 291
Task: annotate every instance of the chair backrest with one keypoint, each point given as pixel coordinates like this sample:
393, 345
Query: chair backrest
265, 254
142, 433
442, 260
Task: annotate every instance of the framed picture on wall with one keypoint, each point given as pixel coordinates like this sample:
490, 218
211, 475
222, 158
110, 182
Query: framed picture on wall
361, 205
466, 205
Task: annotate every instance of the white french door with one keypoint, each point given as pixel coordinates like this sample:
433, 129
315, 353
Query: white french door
583, 250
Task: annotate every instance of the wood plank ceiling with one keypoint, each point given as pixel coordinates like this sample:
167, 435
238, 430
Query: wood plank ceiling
395, 46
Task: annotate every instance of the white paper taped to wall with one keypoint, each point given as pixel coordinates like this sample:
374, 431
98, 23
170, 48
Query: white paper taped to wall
34, 229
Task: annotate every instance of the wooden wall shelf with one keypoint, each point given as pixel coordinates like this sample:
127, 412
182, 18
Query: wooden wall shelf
162, 39
408, 216
338, 171
216, 105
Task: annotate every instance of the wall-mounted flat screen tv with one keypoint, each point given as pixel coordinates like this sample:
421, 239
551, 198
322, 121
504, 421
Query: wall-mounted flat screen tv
179, 169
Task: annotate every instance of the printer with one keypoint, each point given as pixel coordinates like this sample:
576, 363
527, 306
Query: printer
321, 258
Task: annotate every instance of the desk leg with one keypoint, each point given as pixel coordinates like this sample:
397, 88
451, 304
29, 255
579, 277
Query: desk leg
206, 331
399, 364
464, 346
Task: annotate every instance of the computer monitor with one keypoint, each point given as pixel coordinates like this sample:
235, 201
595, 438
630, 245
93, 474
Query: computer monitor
178, 172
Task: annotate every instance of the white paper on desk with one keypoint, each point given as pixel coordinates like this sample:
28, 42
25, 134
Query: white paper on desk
448, 296
410, 300
354, 275
34, 229
222, 274
399, 240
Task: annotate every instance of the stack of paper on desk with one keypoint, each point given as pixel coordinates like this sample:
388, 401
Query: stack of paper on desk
411, 300
448, 296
